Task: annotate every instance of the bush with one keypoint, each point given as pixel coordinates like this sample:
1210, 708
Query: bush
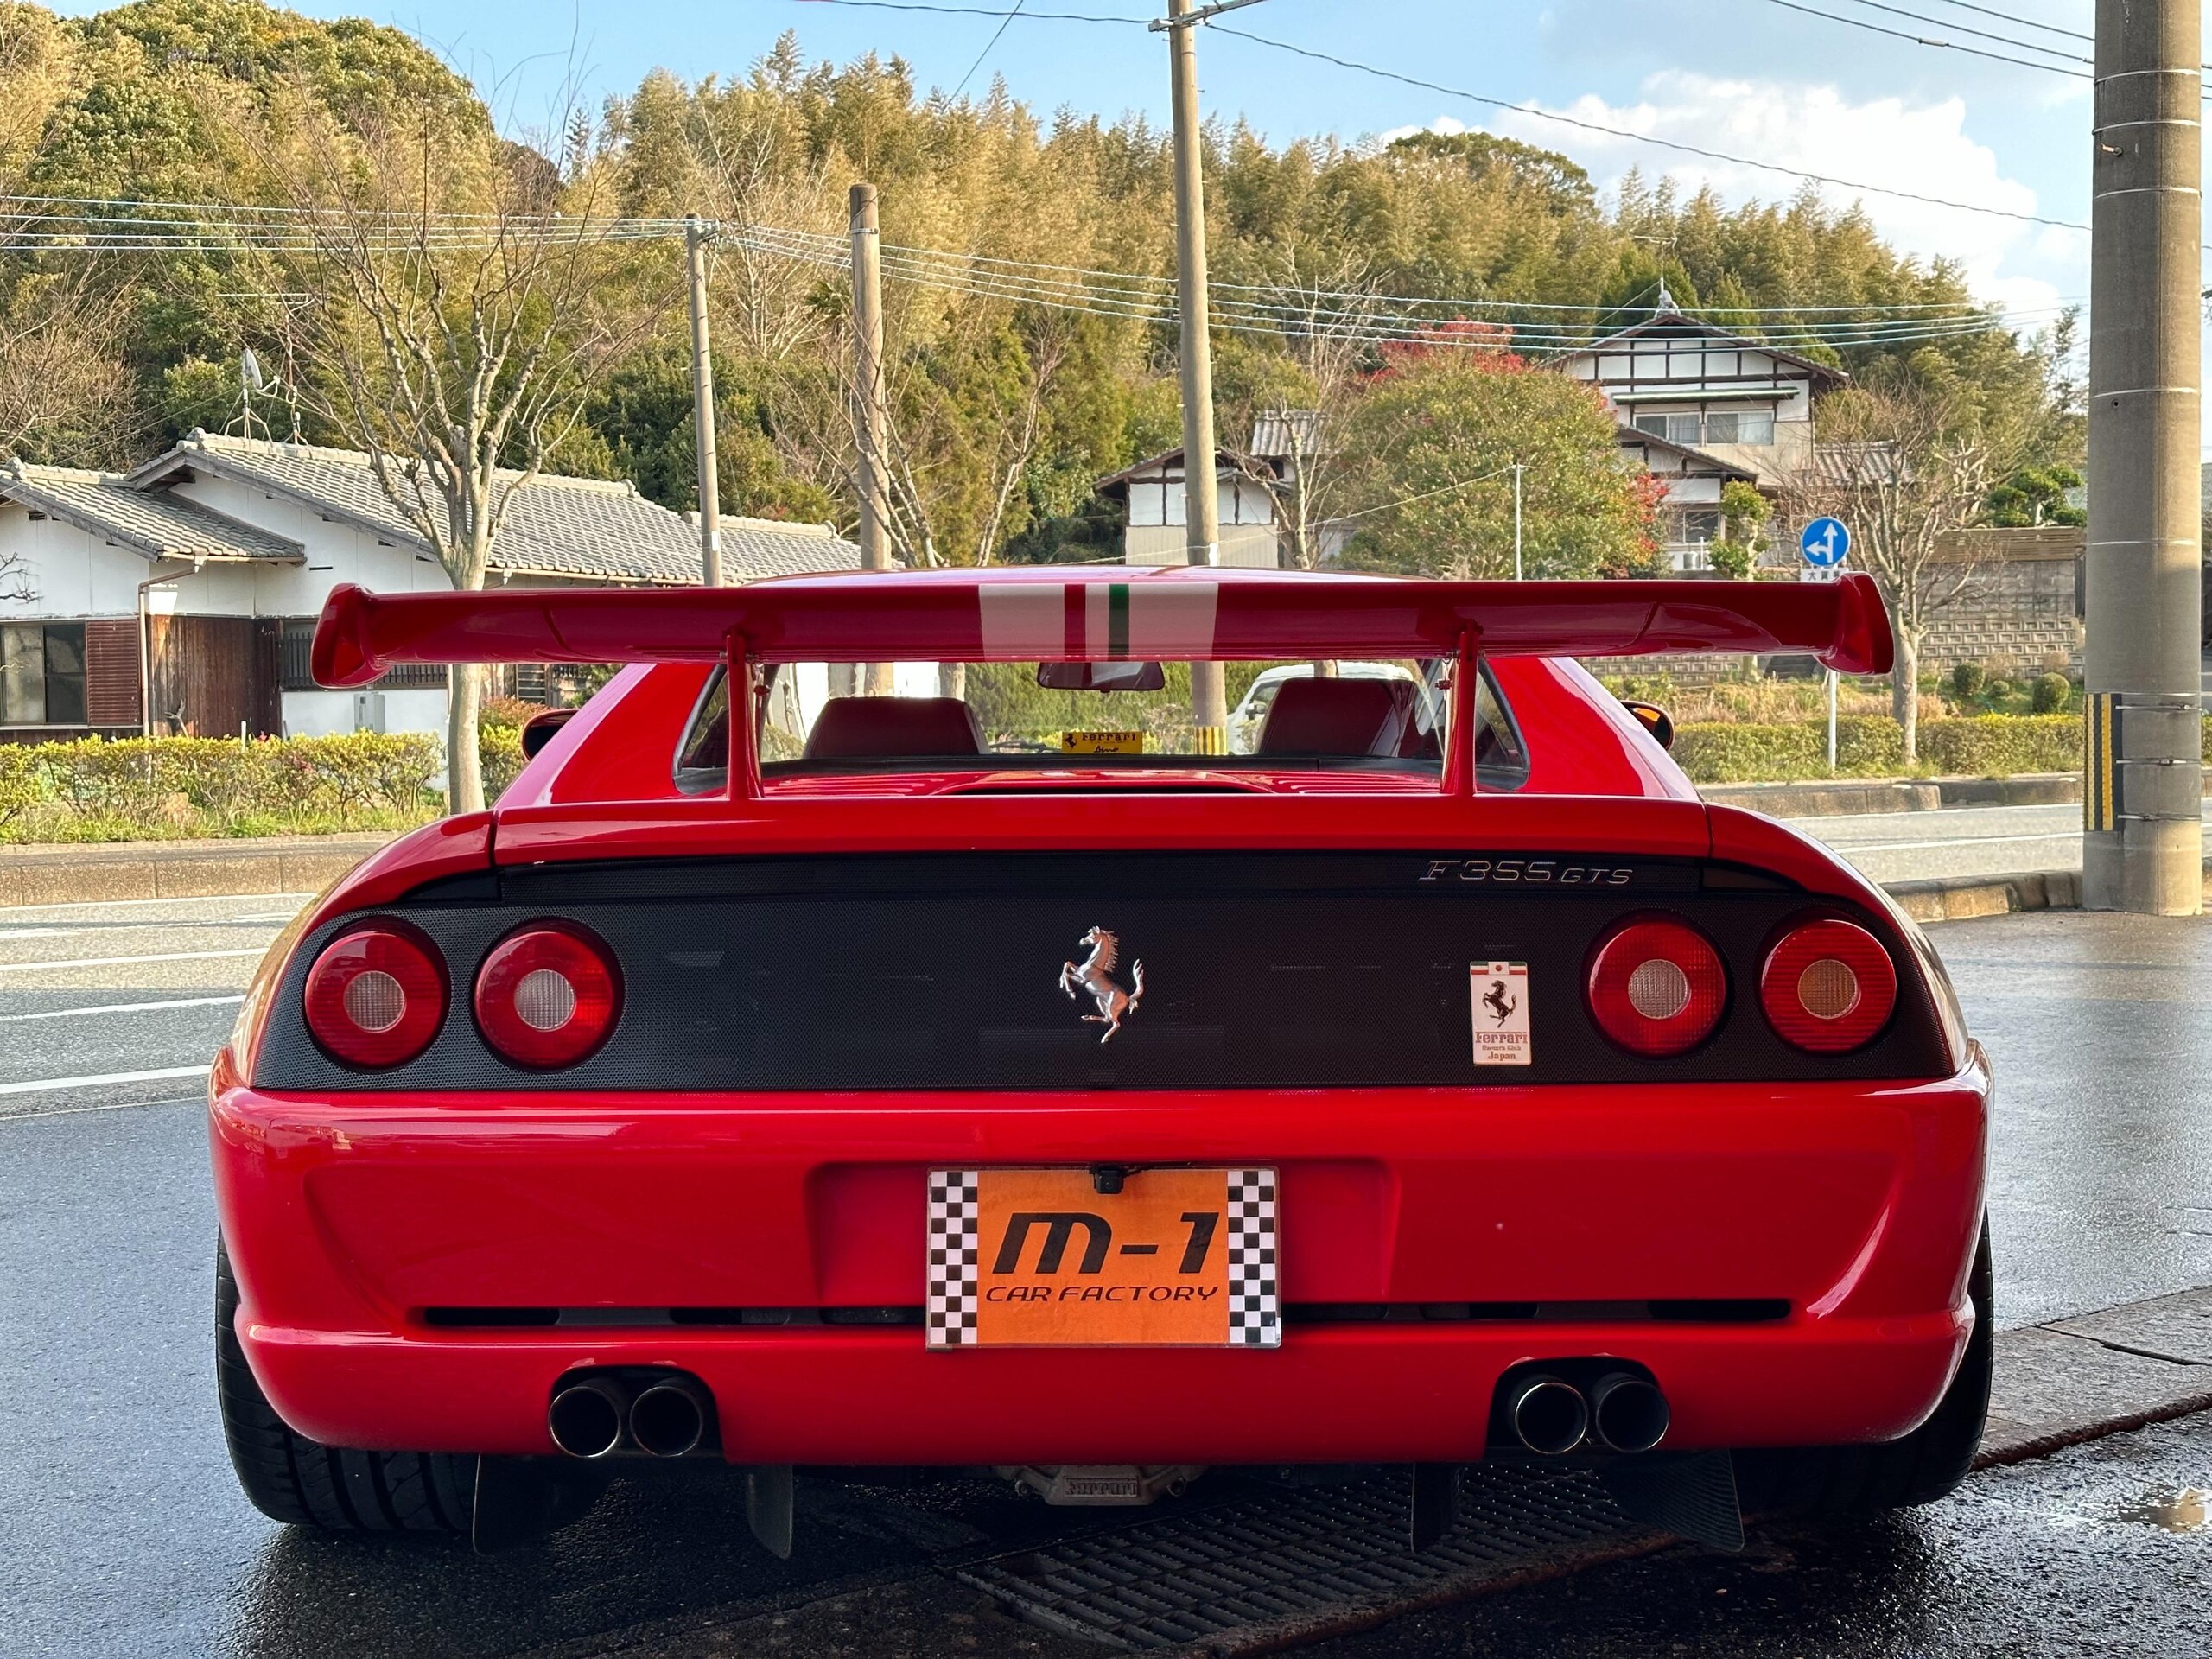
1967, 679
91, 789
1865, 747
1990, 745
2048, 693
499, 740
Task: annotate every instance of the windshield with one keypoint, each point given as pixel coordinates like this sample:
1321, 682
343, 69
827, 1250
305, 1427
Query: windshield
1387, 717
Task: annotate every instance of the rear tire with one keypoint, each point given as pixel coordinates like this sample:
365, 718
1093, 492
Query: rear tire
1926, 1464
292, 1478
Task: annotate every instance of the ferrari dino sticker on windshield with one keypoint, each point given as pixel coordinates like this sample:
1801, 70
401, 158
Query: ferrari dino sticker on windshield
1500, 994
1120, 1258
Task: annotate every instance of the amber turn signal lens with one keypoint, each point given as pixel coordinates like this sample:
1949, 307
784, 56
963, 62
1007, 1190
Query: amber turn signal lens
548, 996
1829, 987
1657, 987
376, 996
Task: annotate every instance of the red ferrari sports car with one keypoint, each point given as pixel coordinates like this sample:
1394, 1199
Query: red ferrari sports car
881, 1029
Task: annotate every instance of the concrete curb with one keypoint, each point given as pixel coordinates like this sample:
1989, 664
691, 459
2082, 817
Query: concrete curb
2070, 1381
1844, 798
1961, 897
119, 872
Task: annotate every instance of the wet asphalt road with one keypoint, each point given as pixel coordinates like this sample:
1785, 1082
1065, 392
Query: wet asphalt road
121, 1531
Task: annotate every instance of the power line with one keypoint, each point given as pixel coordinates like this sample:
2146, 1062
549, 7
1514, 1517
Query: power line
1948, 46
931, 268
1638, 137
1291, 299
982, 11
2029, 22
1004, 23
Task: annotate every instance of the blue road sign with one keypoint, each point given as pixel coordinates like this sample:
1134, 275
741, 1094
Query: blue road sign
1824, 542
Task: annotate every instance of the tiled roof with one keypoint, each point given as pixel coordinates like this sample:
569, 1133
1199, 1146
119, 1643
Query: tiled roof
155, 522
555, 526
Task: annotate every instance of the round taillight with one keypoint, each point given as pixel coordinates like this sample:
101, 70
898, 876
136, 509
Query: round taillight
376, 996
1656, 987
547, 995
1829, 987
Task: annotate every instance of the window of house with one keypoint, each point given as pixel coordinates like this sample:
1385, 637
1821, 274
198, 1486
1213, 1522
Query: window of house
1698, 524
1740, 426
295, 671
1675, 427
41, 674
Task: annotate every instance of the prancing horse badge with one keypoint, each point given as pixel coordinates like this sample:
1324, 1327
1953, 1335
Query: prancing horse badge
1095, 973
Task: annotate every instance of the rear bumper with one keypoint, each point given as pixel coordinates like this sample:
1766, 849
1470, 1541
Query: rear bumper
1858, 1204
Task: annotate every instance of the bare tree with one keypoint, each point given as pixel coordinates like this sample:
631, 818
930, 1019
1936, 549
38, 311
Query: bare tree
1328, 324
473, 300
1903, 465
64, 395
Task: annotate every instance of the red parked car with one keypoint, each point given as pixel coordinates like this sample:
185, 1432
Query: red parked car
957, 1060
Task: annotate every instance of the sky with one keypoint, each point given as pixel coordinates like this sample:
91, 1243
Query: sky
1757, 78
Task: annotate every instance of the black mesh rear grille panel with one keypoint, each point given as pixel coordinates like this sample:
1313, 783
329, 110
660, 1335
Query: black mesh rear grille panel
942, 972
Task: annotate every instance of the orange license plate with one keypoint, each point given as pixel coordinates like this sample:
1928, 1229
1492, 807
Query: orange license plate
1040, 1258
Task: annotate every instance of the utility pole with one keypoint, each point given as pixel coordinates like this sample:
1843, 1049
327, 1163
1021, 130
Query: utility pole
697, 235
869, 421
1201, 503
1517, 470
2143, 831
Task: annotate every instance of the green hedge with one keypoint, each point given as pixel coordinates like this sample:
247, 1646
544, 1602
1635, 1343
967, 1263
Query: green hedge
1989, 746
95, 790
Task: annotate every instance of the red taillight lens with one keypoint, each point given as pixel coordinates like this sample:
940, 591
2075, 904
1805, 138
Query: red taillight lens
1829, 987
376, 996
1657, 988
548, 996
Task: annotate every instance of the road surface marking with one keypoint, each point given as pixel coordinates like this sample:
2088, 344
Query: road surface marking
126, 962
140, 904
117, 1106
121, 1007
1955, 840
57, 1083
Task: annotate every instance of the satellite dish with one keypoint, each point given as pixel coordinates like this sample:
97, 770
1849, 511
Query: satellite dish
250, 371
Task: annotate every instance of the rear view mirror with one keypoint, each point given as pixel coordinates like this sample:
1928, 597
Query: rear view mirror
1102, 676
1656, 721
537, 731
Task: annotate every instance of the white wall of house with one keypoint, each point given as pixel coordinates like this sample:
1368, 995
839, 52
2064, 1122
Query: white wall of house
70, 572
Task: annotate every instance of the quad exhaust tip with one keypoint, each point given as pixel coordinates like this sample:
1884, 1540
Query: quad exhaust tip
1627, 1413
668, 1420
586, 1417
1550, 1415
1622, 1412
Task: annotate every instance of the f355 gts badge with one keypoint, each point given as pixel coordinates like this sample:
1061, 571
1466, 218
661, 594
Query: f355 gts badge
1095, 973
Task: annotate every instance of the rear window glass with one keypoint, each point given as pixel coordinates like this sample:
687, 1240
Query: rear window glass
1340, 715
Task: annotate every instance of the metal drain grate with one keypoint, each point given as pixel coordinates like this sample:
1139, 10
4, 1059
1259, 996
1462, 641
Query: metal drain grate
1300, 1557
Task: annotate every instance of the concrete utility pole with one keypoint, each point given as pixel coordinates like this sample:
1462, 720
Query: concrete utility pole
1201, 501
2143, 840
868, 420
697, 235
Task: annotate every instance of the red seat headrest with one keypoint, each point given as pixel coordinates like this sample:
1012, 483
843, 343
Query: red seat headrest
1344, 716
873, 728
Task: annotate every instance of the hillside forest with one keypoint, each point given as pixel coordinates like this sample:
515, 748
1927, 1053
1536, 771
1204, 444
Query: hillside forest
1007, 399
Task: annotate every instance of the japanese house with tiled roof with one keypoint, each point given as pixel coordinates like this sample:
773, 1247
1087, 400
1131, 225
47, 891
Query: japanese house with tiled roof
180, 598
1700, 406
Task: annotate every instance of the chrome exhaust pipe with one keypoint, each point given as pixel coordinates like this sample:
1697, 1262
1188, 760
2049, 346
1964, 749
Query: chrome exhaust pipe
586, 1417
1627, 1413
670, 1419
1549, 1416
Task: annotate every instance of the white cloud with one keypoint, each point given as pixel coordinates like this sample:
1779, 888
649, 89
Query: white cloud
1924, 149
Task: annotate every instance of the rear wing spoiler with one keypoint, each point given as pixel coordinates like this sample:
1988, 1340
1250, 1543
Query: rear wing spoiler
1045, 616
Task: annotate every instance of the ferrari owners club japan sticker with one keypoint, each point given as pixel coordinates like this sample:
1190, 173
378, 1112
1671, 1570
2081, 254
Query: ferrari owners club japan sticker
1500, 993
1049, 1258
